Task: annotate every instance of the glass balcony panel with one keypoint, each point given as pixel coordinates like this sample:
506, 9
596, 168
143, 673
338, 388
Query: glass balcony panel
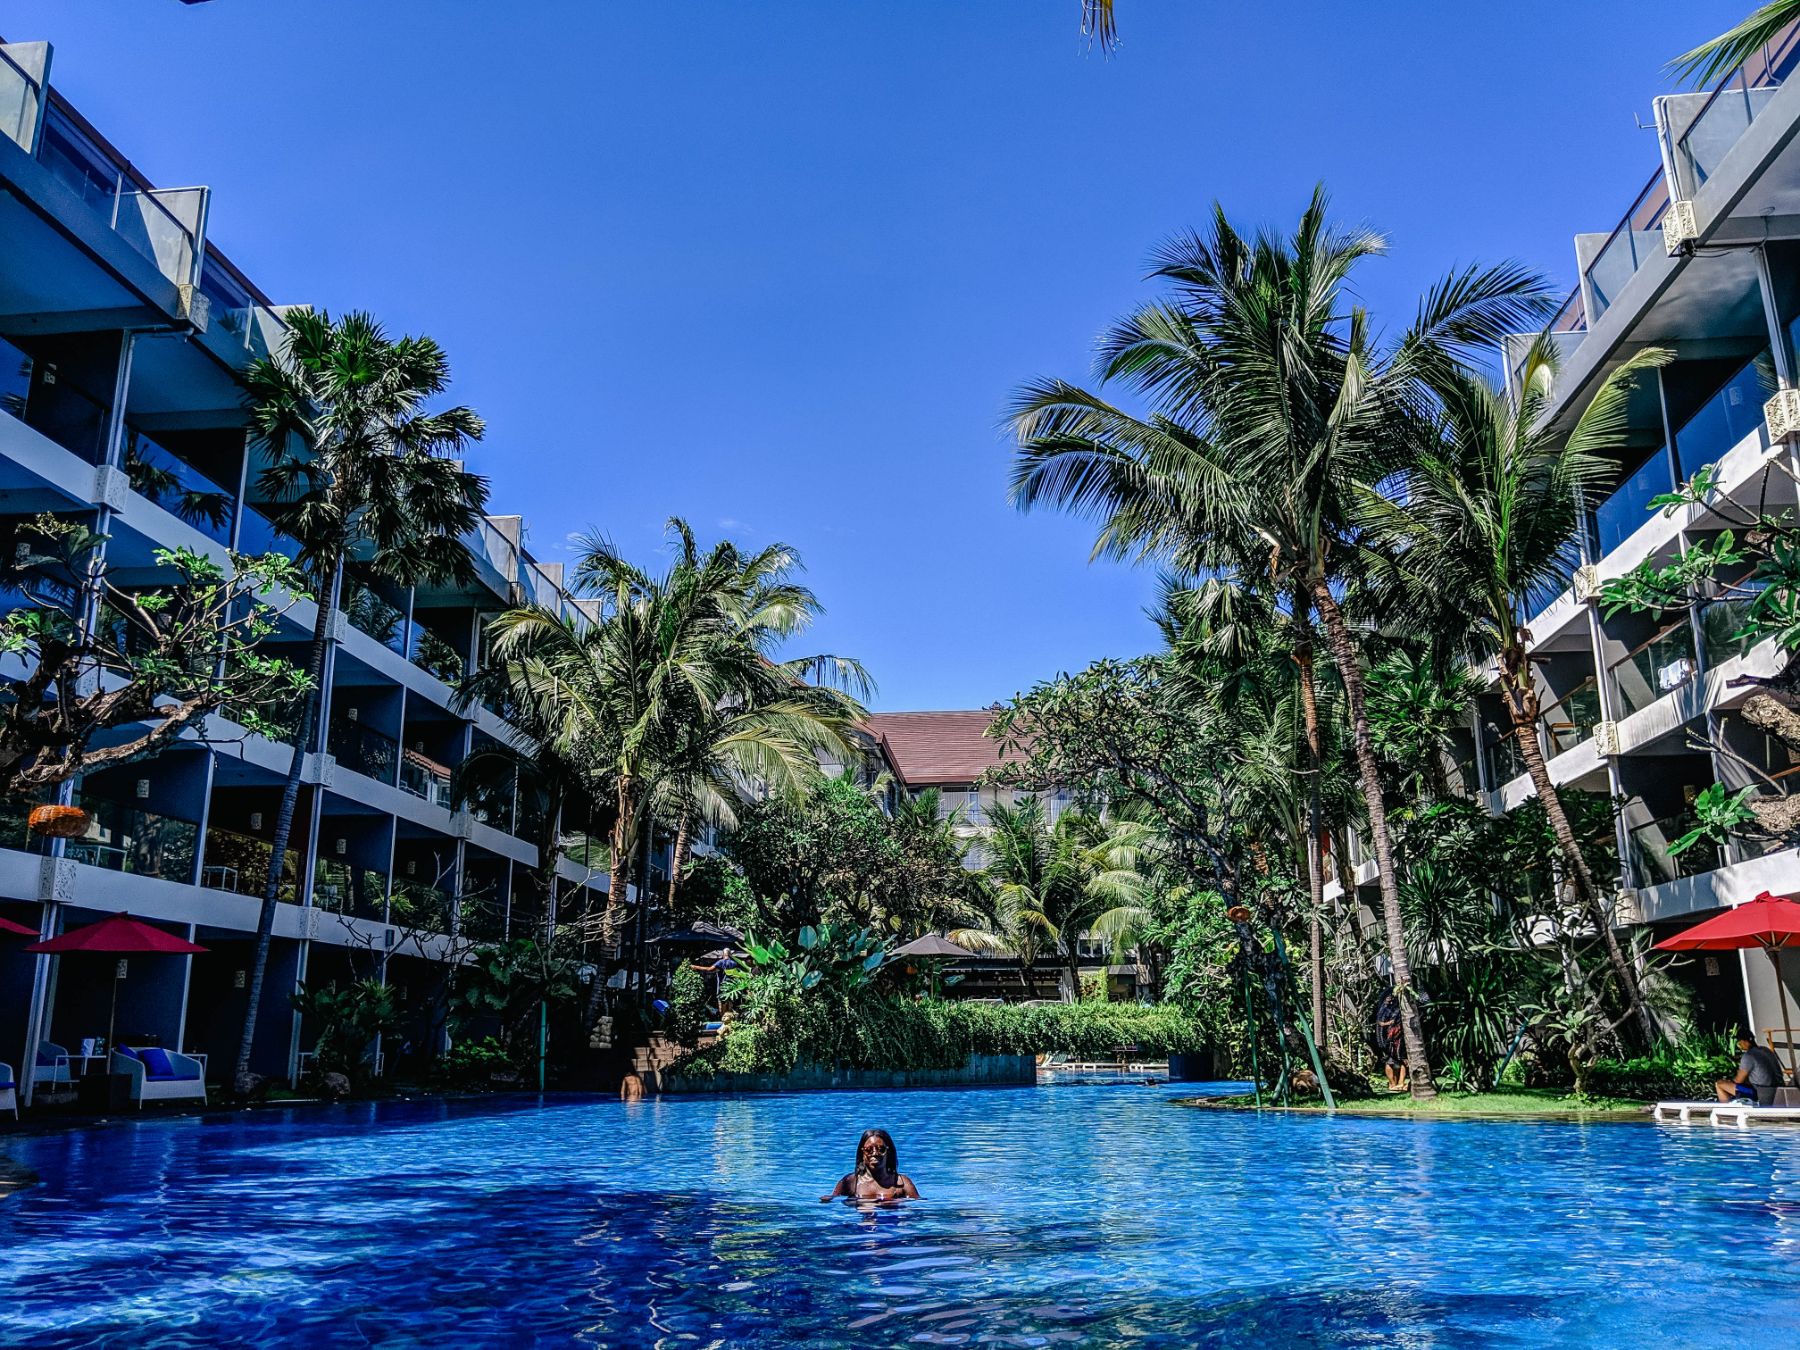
363, 749
1572, 719
178, 487
1720, 621
1504, 761
429, 909
1623, 513
1618, 261
122, 837
1651, 862
341, 889
257, 536
240, 863
1726, 418
161, 224
20, 97
369, 613
1658, 667
1720, 125
431, 654
424, 777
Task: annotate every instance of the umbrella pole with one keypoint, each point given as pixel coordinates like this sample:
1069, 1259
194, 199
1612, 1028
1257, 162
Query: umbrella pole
112, 1013
1786, 1025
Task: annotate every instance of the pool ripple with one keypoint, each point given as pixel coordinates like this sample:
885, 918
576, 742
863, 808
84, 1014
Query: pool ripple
1055, 1216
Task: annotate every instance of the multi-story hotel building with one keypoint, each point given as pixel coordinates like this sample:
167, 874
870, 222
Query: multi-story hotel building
124, 330
1644, 708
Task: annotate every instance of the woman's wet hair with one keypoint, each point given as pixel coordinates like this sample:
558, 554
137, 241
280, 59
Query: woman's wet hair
893, 1154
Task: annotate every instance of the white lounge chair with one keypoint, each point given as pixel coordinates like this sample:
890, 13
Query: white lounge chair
1741, 1114
159, 1075
9, 1091
50, 1066
1682, 1111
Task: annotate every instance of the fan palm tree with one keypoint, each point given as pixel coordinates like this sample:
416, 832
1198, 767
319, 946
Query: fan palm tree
1732, 48
358, 468
1273, 405
1487, 520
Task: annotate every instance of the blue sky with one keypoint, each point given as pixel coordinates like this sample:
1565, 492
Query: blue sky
775, 265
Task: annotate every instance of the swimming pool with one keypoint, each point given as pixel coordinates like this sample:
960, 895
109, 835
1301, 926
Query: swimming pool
1053, 1216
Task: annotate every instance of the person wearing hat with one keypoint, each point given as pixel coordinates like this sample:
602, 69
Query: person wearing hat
1758, 1074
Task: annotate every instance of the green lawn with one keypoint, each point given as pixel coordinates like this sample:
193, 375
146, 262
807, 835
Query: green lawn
1506, 1102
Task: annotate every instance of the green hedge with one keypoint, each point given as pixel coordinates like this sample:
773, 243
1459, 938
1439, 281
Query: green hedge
876, 1032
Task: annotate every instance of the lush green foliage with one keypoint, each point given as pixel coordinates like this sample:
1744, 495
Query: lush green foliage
879, 1032
504, 985
1681, 1072
345, 1022
158, 661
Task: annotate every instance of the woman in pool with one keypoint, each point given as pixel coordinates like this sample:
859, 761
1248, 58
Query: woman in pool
877, 1175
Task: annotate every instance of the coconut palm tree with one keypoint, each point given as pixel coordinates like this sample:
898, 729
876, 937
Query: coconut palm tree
358, 468
1051, 884
1487, 519
676, 694
1273, 406
1732, 48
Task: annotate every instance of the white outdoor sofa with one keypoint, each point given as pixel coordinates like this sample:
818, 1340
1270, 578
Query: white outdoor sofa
9, 1091
50, 1066
159, 1075
1741, 1114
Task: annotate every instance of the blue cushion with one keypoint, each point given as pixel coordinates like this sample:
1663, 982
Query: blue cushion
156, 1062
7, 1087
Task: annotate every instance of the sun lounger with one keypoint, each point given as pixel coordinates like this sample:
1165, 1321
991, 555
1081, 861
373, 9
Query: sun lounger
161, 1075
1682, 1111
1740, 1114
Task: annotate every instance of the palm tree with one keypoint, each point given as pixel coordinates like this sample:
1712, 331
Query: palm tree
358, 468
1731, 49
1274, 406
1487, 520
1054, 883
676, 695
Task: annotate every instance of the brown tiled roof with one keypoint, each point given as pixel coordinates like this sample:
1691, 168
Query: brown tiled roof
928, 748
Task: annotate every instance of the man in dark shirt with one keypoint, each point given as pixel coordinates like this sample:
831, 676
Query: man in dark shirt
1758, 1074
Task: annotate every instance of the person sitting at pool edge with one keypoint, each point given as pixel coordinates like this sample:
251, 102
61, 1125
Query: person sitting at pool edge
877, 1175
1758, 1074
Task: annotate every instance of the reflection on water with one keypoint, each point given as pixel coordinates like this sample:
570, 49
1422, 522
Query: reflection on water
1053, 1216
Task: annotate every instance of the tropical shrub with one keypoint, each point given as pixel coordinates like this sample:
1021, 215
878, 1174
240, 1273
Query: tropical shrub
689, 1009
1685, 1071
348, 1019
878, 1032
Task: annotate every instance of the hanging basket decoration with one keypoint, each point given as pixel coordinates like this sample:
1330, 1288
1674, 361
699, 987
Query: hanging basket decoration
59, 822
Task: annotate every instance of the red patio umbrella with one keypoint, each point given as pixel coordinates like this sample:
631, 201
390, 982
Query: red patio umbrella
8, 926
116, 935
1766, 922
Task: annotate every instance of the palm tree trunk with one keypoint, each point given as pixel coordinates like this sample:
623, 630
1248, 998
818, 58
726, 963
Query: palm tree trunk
284, 821
681, 846
618, 867
1523, 707
1315, 872
1344, 656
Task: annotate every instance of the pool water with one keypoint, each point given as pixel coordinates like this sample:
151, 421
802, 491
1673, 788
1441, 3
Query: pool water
1053, 1216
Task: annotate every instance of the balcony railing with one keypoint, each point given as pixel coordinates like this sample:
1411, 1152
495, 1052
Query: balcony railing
1503, 760
359, 892
257, 535
1657, 667
1720, 621
47, 401
1627, 509
124, 838
1651, 862
1572, 719
431, 654
1734, 105
240, 863
163, 224
363, 749
425, 778
1731, 414
21, 98
178, 487
428, 909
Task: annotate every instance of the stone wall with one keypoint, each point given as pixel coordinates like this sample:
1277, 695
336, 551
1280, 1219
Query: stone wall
980, 1071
